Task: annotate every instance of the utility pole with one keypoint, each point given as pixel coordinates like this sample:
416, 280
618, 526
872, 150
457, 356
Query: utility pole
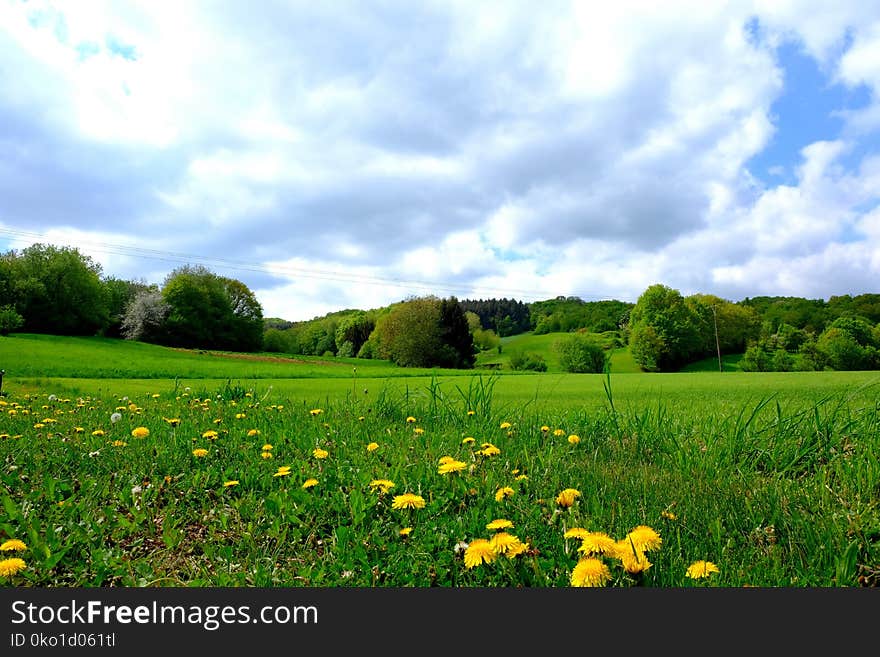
717, 343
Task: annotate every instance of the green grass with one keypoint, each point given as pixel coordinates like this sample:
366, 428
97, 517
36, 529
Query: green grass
542, 345
773, 477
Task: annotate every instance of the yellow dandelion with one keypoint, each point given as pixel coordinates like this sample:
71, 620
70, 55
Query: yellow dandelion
634, 561
489, 450
199, 452
505, 543
382, 485
266, 454
418, 431
567, 497
471, 413
574, 439
452, 466
444, 459
668, 515
500, 523
701, 569
173, 421
155, 395
283, 471
644, 538
140, 432
319, 453
559, 432
253, 432
230, 483
372, 447
78, 430
310, 482
597, 543
98, 432
118, 443
267, 447
315, 412
505, 425
576, 532
240, 416
406, 531
468, 440
503, 493
478, 552
521, 477
408, 501
410, 420
10, 567
210, 434
590, 572
13, 544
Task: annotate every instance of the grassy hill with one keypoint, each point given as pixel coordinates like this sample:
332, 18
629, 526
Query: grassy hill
542, 345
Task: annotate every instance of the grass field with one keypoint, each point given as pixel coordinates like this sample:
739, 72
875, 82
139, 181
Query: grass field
542, 345
129, 464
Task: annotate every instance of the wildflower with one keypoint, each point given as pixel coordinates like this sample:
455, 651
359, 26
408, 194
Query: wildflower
118, 443
505, 425
452, 466
9, 567
559, 432
499, 523
319, 453
471, 413
631, 558
478, 552
576, 532
266, 454
39, 425
230, 483
155, 395
115, 417
521, 477
253, 432
310, 482
505, 543
574, 439
590, 572
98, 432
597, 543
489, 450
283, 471
78, 430
315, 412
503, 492
13, 544
140, 432
410, 420
382, 485
698, 569
408, 501
644, 538
406, 531
545, 429
267, 447
567, 497
418, 431
199, 452
444, 459
468, 441
173, 421
240, 416
668, 515
372, 447
210, 434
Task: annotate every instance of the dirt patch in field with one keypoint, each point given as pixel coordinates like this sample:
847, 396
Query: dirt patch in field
258, 358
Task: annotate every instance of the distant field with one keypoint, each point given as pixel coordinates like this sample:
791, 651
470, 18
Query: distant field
621, 359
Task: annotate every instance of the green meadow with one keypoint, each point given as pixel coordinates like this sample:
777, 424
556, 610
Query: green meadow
136, 465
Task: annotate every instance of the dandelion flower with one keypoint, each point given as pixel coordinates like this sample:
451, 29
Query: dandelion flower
408, 501
668, 515
199, 452
13, 544
489, 450
267, 447
118, 443
559, 432
310, 482
173, 421
283, 471
319, 453
645, 539
590, 572
632, 559
521, 477
418, 431
240, 416
500, 523
266, 454
452, 466
98, 432
701, 569
597, 543
230, 483
210, 434
567, 497
382, 485
574, 439
505, 425
576, 532
253, 432
468, 440
406, 531
315, 412
372, 447
410, 420
9, 567
115, 417
478, 552
471, 413
505, 543
503, 492
140, 432
545, 429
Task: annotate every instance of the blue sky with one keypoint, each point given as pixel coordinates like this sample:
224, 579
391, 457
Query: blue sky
355, 153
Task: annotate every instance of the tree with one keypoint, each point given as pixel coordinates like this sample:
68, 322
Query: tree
664, 330
10, 320
456, 342
353, 330
581, 354
118, 293
144, 317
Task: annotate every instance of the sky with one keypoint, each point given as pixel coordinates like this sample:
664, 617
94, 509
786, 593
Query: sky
353, 154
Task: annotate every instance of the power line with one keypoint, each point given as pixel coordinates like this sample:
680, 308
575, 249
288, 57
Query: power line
288, 270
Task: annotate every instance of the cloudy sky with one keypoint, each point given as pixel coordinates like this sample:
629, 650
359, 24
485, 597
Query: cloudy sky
350, 154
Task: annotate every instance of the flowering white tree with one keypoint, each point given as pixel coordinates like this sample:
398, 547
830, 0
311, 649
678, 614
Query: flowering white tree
144, 316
